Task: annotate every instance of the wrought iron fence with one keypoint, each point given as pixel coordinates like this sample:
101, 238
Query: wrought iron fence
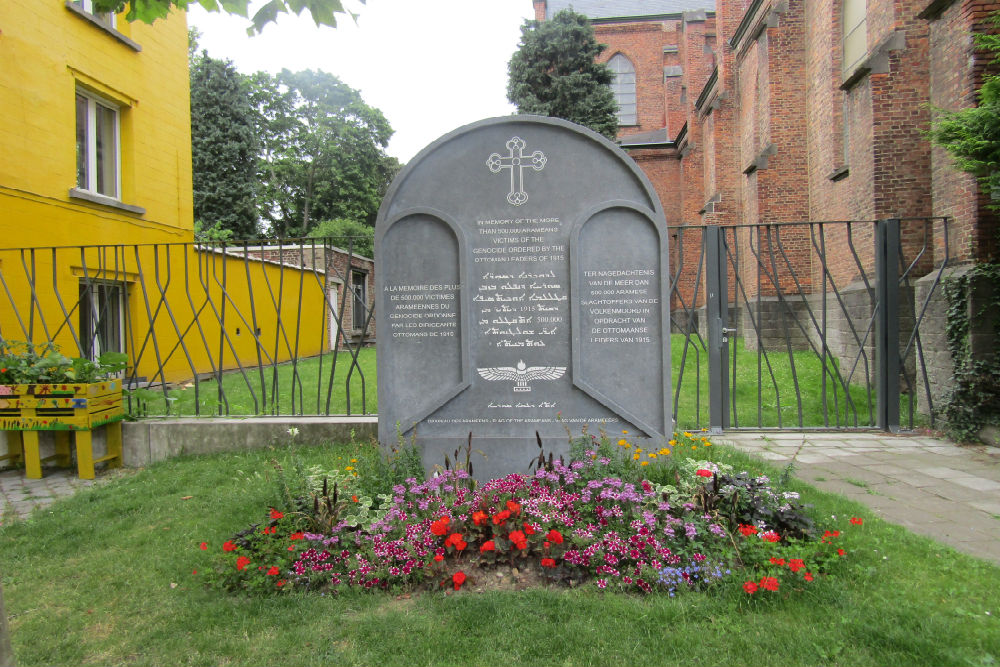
804, 325
268, 328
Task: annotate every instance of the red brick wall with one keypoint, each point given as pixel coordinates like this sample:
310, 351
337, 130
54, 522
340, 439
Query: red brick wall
974, 229
641, 43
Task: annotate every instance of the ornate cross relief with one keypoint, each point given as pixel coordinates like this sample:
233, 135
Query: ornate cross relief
517, 162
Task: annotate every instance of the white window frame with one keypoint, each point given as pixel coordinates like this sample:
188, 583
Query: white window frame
89, 180
108, 18
624, 91
359, 291
91, 304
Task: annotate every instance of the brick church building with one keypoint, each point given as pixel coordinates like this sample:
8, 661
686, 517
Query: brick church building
744, 112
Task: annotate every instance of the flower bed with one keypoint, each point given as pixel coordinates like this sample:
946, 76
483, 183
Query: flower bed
614, 517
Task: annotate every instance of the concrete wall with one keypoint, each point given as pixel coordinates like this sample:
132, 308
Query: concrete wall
153, 440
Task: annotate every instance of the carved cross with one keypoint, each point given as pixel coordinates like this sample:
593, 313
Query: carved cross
517, 162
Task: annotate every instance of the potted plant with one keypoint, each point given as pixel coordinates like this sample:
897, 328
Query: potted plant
43, 390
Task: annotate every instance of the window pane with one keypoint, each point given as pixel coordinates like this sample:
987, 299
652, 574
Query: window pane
358, 285
107, 144
623, 87
82, 147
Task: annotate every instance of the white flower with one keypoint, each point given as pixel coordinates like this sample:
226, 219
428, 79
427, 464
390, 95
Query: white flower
293, 431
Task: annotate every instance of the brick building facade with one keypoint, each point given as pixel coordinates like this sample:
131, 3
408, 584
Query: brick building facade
782, 111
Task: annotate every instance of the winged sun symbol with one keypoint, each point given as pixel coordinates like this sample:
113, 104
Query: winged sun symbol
522, 374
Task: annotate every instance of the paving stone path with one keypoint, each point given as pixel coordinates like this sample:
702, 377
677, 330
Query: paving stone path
932, 487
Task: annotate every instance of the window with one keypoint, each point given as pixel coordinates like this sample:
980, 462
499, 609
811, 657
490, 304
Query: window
107, 18
98, 167
359, 285
623, 87
855, 33
101, 318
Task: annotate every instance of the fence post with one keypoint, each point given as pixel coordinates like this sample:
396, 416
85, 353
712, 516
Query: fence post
717, 316
887, 324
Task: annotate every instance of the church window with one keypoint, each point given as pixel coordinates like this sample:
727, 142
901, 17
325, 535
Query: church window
623, 86
855, 33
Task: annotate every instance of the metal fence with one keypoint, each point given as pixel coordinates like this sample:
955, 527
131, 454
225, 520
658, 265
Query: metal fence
792, 325
269, 328
804, 325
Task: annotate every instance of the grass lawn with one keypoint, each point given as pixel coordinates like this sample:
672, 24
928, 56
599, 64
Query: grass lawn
303, 389
105, 578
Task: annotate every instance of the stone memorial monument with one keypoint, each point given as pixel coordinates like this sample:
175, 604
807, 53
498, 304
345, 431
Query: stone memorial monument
522, 286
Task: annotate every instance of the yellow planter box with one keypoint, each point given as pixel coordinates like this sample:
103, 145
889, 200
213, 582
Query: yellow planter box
26, 409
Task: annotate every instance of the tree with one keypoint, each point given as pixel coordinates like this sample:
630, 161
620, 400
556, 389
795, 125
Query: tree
323, 152
323, 12
347, 234
224, 148
554, 73
972, 135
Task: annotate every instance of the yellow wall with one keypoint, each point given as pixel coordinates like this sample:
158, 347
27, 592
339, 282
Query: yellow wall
47, 51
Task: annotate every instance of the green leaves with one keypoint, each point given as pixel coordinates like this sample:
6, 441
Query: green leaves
323, 12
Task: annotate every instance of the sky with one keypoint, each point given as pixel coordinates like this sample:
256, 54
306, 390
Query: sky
430, 66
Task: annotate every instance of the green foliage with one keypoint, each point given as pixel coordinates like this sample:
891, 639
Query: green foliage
214, 234
323, 153
974, 401
323, 12
27, 363
224, 150
972, 135
347, 234
554, 73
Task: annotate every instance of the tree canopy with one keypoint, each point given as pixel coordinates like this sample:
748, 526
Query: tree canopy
323, 12
224, 148
554, 73
322, 151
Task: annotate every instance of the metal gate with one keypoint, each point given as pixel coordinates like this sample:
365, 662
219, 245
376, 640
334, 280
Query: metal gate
813, 325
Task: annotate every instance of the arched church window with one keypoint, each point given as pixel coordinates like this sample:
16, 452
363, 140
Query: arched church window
623, 86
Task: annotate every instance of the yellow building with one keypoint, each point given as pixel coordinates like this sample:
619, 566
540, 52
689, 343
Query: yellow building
96, 229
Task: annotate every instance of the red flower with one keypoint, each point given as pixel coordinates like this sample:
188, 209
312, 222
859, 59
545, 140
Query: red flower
440, 527
808, 576
796, 564
291, 547
548, 562
528, 530
354, 499
439, 557
489, 545
841, 552
769, 583
704, 473
281, 582
242, 562
518, 539
479, 517
500, 517
455, 540
777, 561
194, 571
750, 587
459, 579
514, 507
771, 536
546, 545
204, 546
275, 514
554, 536
296, 536
747, 531
856, 521
274, 570
269, 530
229, 546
